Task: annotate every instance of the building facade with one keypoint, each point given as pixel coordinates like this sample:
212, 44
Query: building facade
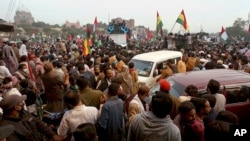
77, 24
23, 16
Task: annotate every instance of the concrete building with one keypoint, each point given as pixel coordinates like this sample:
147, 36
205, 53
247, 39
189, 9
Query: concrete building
77, 24
23, 16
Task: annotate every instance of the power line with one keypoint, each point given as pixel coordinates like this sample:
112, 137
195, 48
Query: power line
13, 5
20, 3
7, 13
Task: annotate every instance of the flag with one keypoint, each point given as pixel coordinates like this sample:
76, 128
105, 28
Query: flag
182, 20
90, 42
33, 36
159, 25
95, 24
223, 34
149, 35
88, 31
94, 29
99, 43
70, 38
249, 28
86, 49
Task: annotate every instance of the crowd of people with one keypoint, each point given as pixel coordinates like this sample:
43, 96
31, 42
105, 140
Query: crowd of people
99, 95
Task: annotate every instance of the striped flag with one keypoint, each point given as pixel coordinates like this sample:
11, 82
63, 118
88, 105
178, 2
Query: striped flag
182, 20
223, 34
159, 24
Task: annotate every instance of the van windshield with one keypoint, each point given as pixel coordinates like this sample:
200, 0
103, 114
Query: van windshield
143, 67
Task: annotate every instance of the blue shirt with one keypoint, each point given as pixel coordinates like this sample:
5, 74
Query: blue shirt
111, 120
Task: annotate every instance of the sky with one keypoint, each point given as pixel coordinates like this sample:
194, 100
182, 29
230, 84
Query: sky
210, 15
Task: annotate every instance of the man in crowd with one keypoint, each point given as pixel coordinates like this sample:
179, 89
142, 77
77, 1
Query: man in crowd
166, 72
9, 56
89, 96
53, 89
111, 123
85, 132
185, 117
4, 71
139, 103
156, 122
78, 114
165, 87
23, 49
27, 127
213, 88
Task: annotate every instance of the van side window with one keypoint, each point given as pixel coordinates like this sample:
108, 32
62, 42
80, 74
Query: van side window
159, 68
172, 64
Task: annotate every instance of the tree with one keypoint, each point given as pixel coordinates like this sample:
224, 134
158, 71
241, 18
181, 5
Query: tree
240, 23
238, 30
40, 24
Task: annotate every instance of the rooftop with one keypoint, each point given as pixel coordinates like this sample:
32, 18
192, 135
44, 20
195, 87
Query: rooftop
201, 78
23, 9
157, 55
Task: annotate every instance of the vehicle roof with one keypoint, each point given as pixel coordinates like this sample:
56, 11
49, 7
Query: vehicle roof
157, 55
201, 78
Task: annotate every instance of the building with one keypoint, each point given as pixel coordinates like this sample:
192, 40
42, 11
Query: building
129, 23
23, 16
77, 25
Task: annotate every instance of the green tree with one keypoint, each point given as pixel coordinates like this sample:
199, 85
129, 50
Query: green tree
238, 31
239, 22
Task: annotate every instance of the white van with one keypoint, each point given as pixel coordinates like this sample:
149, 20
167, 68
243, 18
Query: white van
147, 65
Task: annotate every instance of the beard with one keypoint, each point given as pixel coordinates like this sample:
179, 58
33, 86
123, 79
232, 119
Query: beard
21, 111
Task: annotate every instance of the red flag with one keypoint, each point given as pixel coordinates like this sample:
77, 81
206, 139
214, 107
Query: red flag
149, 35
90, 42
88, 30
95, 22
70, 37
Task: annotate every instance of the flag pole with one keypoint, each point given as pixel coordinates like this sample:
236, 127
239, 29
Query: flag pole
172, 27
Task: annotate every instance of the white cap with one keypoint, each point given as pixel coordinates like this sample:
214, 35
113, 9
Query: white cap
201, 52
219, 62
5, 39
12, 42
203, 60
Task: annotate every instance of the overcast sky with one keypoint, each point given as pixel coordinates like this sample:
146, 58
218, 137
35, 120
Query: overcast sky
211, 15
